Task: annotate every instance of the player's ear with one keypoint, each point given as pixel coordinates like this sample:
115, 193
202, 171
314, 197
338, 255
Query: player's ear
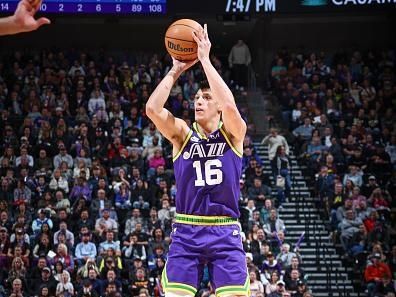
219, 107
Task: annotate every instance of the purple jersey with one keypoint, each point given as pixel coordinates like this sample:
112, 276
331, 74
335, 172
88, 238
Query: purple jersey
207, 172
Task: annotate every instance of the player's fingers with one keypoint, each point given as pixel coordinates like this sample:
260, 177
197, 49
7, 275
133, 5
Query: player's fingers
193, 62
196, 37
43, 21
200, 33
206, 31
35, 4
24, 4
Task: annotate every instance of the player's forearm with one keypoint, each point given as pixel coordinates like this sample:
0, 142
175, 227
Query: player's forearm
217, 85
9, 25
161, 93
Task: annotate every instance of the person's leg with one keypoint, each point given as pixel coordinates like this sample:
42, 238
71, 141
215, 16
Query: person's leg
281, 196
227, 266
371, 288
333, 219
136, 204
286, 114
345, 242
185, 253
244, 75
239, 75
285, 173
146, 205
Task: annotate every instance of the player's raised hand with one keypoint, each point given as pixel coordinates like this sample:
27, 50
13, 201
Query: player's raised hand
181, 66
24, 16
203, 42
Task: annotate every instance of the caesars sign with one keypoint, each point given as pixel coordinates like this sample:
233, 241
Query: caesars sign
297, 6
345, 2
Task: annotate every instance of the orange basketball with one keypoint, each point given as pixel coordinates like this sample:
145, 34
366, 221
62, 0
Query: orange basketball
179, 41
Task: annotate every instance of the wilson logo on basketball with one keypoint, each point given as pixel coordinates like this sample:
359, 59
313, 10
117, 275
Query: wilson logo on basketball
178, 47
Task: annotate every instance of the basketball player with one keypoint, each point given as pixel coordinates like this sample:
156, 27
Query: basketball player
23, 19
207, 165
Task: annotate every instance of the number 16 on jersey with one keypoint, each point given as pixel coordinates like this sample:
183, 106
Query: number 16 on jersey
212, 171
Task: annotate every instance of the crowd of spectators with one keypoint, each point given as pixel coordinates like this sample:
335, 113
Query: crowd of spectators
87, 188
341, 114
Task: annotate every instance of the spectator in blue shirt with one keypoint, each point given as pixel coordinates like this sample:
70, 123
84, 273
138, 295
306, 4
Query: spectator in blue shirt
42, 218
304, 131
109, 243
314, 150
248, 154
85, 249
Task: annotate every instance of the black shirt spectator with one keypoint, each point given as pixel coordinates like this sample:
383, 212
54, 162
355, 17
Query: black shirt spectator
46, 279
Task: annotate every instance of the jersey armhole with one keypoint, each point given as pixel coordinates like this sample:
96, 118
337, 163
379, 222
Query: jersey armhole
183, 145
238, 153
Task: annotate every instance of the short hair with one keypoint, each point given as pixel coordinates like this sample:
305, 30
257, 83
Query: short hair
204, 85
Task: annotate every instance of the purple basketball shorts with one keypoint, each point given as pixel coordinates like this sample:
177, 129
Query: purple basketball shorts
219, 247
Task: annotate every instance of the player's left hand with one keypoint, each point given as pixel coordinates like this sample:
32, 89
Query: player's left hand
24, 16
181, 66
203, 42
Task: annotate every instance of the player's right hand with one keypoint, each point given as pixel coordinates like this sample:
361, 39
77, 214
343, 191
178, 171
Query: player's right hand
24, 16
203, 42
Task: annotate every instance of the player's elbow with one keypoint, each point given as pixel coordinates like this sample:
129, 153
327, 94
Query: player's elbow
150, 110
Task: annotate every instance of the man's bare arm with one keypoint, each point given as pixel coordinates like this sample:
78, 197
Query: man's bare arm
174, 129
232, 119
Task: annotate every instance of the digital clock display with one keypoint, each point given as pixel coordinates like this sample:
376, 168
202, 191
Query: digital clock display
94, 7
240, 6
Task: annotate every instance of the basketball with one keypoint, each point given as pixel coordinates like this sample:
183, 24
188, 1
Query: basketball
179, 41
35, 3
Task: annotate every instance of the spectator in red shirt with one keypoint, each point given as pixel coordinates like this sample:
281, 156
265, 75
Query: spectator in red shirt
376, 273
114, 148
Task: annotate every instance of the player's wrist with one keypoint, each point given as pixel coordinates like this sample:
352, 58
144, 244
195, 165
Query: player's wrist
175, 72
13, 26
205, 61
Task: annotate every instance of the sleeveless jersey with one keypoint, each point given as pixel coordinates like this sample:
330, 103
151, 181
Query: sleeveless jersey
207, 172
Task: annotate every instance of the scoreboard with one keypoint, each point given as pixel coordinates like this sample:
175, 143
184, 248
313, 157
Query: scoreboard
94, 6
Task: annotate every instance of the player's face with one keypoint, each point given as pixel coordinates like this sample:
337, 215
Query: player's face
206, 107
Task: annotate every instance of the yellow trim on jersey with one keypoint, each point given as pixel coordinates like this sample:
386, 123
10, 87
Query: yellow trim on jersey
202, 136
183, 145
205, 220
240, 155
234, 290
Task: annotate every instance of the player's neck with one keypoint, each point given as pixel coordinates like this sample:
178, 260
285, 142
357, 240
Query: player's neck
208, 127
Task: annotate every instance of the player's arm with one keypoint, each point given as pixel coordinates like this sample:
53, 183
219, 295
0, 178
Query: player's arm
23, 19
174, 129
233, 122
